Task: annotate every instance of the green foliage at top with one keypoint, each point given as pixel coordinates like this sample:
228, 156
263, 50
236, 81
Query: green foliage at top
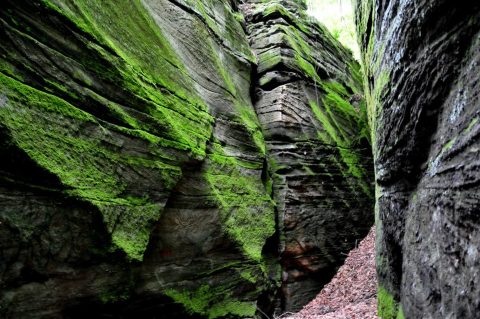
338, 17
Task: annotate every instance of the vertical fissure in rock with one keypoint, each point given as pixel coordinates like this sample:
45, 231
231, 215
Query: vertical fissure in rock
300, 76
162, 161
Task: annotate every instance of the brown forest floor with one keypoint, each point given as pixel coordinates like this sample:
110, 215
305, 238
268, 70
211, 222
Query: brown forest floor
352, 293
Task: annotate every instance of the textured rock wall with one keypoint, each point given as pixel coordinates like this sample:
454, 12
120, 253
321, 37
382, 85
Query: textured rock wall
422, 61
308, 97
134, 160
136, 177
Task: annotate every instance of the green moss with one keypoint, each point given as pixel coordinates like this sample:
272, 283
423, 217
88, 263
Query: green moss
236, 308
303, 52
234, 264
356, 81
107, 298
136, 38
198, 301
87, 169
227, 28
246, 113
365, 15
239, 17
164, 113
343, 127
371, 64
308, 170
148, 66
471, 125
295, 33
373, 97
7, 69
115, 295
388, 308
248, 275
130, 225
274, 8
267, 60
212, 302
448, 145
28, 96
246, 208
250, 120
61, 88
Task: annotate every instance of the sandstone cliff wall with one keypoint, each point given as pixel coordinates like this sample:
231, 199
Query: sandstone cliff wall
421, 61
138, 176
308, 97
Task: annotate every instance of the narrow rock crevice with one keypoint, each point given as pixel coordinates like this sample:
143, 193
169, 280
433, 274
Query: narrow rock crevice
193, 159
302, 168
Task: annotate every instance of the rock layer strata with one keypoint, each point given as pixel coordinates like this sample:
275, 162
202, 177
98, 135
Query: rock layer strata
308, 97
421, 61
138, 178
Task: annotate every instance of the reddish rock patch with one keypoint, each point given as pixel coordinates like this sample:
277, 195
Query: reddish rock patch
352, 293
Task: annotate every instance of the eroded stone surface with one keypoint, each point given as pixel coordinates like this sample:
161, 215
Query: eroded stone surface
422, 63
134, 161
140, 178
308, 100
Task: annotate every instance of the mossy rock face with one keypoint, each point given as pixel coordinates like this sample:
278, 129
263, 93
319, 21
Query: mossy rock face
309, 101
425, 144
139, 178
146, 138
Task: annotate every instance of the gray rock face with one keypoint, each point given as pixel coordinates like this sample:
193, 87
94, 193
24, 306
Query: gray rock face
141, 179
318, 153
422, 64
133, 175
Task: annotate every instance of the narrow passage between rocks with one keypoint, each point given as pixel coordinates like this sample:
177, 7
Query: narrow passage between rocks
352, 292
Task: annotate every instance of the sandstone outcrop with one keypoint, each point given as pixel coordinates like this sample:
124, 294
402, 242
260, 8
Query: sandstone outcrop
421, 61
139, 179
308, 97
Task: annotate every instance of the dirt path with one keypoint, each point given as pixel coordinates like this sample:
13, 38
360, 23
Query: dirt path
352, 292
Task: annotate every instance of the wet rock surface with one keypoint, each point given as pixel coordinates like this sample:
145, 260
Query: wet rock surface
422, 63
